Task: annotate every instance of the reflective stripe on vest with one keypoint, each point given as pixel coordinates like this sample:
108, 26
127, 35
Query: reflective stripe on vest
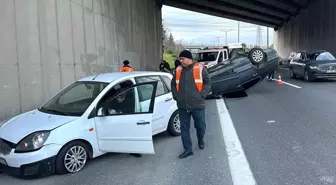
197, 74
126, 69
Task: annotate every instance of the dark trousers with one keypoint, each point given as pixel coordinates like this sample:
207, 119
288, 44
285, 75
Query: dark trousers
199, 122
271, 75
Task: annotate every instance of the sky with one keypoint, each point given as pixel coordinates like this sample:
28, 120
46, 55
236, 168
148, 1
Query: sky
192, 28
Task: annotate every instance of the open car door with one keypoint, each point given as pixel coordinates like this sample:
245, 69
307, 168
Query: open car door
124, 125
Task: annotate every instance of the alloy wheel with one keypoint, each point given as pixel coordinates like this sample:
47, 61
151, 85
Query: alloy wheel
75, 159
176, 123
257, 56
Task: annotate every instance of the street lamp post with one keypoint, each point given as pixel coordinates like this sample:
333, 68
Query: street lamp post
226, 31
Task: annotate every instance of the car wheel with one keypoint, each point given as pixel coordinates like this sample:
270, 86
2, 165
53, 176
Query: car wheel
257, 56
306, 76
174, 126
72, 158
291, 73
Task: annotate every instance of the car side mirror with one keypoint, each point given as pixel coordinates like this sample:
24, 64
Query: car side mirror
100, 112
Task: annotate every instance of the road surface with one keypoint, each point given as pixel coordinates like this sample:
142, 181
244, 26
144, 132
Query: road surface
288, 133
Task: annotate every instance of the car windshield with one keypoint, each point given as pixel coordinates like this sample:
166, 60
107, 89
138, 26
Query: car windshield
207, 56
325, 56
74, 99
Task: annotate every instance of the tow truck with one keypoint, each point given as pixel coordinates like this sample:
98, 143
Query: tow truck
212, 56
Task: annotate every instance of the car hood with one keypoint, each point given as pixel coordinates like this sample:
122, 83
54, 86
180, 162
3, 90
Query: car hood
20, 126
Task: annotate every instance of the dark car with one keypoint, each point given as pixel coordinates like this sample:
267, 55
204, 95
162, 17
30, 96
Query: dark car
313, 65
242, 71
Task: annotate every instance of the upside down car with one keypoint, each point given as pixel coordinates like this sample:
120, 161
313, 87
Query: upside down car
243, 70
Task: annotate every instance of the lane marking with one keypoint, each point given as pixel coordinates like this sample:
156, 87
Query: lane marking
292, 85
241, 173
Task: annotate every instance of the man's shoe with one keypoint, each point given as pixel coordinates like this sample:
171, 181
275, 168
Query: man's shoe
185, 154
201, 145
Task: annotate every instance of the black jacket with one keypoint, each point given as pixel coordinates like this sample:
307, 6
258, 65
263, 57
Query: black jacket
188, 96
164, 66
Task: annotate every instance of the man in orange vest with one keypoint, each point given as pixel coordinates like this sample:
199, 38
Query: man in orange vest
126, 67
190, 86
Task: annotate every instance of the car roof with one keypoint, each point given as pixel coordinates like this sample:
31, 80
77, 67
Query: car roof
110, 77
210, 50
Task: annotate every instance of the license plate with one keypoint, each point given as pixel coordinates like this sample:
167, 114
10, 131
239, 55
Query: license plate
3, 161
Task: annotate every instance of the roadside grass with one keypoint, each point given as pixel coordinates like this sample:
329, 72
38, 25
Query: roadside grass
170, 58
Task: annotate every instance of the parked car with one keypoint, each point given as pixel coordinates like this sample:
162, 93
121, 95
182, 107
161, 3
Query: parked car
242, 71
112, 112
313, 65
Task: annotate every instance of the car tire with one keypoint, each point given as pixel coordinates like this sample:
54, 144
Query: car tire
291, 73
257, 56
174, 126
72, 151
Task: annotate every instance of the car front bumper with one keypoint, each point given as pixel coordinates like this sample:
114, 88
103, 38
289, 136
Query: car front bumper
31, 164
318, 74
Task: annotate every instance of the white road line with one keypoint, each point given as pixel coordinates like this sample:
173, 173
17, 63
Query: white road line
292, 85
241, 173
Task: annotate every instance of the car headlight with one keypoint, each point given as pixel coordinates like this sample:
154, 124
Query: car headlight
32, 142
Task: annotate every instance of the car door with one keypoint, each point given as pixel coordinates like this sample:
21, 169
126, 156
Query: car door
301, 64
220, 58
162, 100
295, 63
127, 131
170, 103
226, 55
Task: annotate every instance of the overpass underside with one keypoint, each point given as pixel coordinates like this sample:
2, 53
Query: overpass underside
298, 24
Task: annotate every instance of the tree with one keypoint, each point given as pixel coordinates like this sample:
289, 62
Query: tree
171, 43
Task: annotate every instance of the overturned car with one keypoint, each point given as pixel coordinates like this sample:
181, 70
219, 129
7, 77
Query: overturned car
243, 70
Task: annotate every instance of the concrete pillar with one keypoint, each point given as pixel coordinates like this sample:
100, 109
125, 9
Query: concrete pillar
313, 28
47, 44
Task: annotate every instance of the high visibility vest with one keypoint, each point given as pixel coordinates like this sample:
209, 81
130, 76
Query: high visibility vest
126, 69
197, 74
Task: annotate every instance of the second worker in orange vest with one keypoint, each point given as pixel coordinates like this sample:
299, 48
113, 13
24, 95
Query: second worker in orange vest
126, 67
190, 86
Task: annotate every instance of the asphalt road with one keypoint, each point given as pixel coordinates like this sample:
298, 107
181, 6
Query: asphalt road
209, 166
288, 134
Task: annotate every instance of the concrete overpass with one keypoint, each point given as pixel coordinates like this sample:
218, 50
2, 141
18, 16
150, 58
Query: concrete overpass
47, 44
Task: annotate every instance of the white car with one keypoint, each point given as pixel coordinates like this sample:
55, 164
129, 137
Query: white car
112, 112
